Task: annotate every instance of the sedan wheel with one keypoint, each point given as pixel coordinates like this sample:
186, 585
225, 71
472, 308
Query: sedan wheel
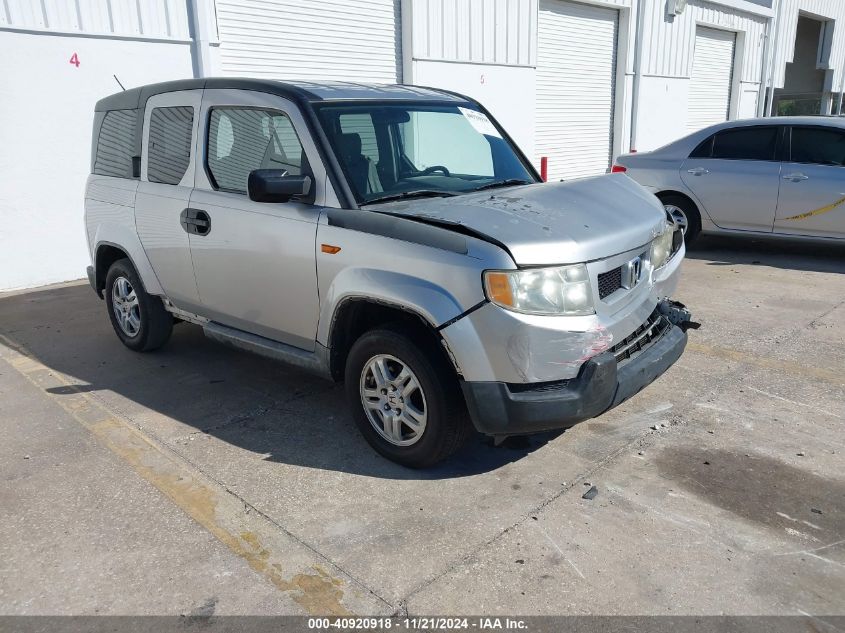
678, 215
393, 400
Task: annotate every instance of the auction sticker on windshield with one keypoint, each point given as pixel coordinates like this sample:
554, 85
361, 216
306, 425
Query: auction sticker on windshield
480, 122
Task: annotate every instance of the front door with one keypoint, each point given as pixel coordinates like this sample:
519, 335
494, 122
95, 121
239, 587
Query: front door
812, 188
255, 262
735, 175
167, 178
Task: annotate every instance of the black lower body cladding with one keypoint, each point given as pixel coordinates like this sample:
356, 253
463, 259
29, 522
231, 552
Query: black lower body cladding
499, 409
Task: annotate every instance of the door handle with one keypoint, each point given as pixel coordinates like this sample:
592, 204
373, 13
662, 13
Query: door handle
195, 221
698, 171
798, 177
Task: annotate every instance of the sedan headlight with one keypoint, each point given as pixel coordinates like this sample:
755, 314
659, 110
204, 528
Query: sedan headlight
562, 290
662, 247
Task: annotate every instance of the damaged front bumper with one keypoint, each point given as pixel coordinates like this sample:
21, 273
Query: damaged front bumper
603, 382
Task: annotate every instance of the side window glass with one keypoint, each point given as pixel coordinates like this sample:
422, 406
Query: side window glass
116, 144
818, 146
169, 146
704, 149
752, 143
241, 140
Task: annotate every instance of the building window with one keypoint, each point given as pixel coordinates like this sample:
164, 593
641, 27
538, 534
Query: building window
116, 144
169, 147
818, 146
746, 143
241, 140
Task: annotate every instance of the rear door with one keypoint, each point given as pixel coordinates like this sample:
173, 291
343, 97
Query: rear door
735, 175
812, 188
167, 179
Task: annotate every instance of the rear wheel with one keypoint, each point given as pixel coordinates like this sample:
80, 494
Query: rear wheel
405, 401
139, 319
685, 214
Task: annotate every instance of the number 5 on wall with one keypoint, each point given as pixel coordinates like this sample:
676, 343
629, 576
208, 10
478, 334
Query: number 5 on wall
74, 59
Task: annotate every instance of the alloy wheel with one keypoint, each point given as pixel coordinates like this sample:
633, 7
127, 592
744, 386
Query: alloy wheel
125, 306
393, 400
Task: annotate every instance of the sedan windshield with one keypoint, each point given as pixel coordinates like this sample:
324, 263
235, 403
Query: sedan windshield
397, 151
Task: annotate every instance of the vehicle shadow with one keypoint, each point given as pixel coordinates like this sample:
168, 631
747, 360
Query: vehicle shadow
728, 250
194, 387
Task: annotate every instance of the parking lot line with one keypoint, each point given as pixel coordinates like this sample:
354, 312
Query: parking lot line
267, 548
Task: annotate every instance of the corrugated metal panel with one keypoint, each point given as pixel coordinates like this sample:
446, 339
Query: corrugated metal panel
668, 45
576, 71
712, 74
477, 31
788, 23
330, 39
147, 18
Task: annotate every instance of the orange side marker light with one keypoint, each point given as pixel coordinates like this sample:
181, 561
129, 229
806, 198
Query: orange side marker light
330, 249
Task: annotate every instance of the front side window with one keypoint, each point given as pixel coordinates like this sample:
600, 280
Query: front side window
751, 143
241, 140
169, 147
818, 146
388, 150
116, 144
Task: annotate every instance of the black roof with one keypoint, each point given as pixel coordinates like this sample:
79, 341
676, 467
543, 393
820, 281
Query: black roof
296, 91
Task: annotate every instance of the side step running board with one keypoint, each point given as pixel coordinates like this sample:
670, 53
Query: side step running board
314, 362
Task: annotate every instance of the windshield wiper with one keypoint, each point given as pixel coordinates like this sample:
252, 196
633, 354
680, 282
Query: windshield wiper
510, 182
419, 193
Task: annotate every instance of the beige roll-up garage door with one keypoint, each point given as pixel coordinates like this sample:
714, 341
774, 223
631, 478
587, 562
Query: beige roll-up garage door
712, 77
326, 40
576, 71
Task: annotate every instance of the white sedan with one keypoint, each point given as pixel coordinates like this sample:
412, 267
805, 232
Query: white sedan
782, 176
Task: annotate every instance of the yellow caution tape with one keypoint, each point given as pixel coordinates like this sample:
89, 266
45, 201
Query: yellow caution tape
809, 214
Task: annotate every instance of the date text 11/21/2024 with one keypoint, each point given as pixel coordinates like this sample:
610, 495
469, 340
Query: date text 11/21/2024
417, 624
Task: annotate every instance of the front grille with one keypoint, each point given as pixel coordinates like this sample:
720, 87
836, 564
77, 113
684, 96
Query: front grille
610, 282
641, 338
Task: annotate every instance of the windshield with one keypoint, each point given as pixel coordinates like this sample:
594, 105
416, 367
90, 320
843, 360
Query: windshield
391, 151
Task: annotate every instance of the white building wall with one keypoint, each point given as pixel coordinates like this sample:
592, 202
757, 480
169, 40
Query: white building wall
46, 113
166, 19
666, 58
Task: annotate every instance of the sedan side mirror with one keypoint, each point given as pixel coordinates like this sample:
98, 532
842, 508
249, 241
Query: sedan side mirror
276, 185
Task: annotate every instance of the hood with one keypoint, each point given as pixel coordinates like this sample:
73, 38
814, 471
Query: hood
550, 223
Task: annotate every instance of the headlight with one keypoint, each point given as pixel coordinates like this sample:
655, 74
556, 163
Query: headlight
562, 290
661, 247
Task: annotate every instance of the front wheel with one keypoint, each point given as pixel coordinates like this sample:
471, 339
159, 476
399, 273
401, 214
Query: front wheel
139, 319
405, 401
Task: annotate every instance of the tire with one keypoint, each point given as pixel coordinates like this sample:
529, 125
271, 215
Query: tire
437, 395
144, 325
688, 210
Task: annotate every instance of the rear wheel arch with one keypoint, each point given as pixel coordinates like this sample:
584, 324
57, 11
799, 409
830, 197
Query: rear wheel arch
106, 255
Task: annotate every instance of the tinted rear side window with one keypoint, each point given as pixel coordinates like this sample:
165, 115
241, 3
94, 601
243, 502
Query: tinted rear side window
819, 146
755, 143
116, 144
169, 148
704, 150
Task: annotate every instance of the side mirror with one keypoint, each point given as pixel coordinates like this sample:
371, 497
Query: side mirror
276, 185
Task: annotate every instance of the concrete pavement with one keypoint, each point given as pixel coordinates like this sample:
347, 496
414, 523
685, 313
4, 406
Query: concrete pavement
201, 479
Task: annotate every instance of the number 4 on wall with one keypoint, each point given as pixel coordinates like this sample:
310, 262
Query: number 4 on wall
74, 59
